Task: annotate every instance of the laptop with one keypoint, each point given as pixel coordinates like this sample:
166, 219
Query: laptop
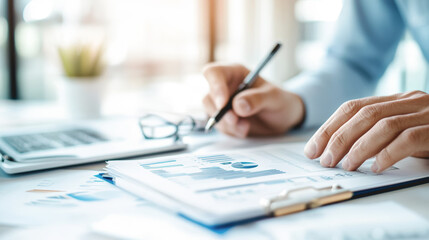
34, 148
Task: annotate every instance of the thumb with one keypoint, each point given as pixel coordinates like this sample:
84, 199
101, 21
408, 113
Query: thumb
255, 100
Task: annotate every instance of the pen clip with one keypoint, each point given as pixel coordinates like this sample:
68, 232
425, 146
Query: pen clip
284, 203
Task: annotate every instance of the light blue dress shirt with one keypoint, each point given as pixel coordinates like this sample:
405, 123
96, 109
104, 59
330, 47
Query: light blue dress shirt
362, 46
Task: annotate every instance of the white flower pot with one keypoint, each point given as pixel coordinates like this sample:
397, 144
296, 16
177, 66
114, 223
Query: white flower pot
81, 98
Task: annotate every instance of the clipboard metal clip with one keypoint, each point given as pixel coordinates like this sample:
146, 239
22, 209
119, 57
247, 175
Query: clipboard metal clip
300, 199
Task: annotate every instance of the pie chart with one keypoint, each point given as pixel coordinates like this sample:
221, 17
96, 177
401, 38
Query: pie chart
244, 165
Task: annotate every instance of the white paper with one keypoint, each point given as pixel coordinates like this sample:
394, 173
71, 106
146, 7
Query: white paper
378, 221
236, 181
61, 196
56, 202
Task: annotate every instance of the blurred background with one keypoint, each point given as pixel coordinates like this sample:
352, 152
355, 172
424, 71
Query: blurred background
155, 49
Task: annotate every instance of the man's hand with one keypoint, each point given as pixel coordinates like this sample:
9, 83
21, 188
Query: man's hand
389, 128
264, 109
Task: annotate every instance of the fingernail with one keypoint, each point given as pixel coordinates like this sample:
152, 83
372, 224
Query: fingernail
230, 119
375, 167
326, 159
310, 149
243, 105
219, 102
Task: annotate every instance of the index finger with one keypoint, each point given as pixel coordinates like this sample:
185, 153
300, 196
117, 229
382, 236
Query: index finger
223, 80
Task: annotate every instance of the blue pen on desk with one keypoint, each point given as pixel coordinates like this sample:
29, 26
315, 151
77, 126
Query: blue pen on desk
247, 83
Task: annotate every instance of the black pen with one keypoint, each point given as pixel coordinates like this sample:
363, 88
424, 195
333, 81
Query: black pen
247, 83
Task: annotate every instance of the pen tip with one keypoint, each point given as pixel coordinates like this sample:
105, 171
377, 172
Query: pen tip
276, 48
210, 123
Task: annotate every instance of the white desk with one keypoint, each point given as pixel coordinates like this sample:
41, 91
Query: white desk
413, 198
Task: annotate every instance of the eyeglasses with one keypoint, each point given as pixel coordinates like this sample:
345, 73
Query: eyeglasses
154, 126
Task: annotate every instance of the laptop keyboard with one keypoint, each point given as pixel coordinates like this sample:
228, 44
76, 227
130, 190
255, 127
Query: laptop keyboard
53, 140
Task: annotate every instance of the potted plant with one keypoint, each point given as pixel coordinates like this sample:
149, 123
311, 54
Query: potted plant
81, 90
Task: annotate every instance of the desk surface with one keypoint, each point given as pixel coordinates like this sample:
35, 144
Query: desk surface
414, 198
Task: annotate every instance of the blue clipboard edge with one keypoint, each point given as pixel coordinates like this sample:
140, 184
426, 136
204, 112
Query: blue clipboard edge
389, 188
221, 229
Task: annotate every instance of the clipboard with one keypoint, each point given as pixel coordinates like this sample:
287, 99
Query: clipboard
289, 205
290, 200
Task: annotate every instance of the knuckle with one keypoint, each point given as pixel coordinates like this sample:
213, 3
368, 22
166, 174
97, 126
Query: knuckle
349, 108
370, 112
413, 94
263, 95
417, 93
273, 91
209, 68
425, 100
214, 74
219, 69
422, 100
389, 124
338, 140
412, 136
268, 92
397, 95
244, 106
255, 99
240, 67
425, 114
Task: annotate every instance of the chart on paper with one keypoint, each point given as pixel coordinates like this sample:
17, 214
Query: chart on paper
60, 195
246, 170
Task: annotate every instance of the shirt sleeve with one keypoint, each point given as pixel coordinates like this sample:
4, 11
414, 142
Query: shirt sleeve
362, 46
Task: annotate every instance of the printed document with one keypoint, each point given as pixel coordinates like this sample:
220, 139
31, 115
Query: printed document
218, 187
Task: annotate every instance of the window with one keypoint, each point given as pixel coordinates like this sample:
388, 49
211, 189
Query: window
4, 86
143, 38
148, 40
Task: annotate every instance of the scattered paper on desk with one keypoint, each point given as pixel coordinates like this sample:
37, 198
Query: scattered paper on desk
61, 195
379, 221
152, 225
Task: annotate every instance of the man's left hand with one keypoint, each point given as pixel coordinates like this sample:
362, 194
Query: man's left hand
389, 128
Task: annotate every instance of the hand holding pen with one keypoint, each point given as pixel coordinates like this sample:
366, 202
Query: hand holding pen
255, 108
